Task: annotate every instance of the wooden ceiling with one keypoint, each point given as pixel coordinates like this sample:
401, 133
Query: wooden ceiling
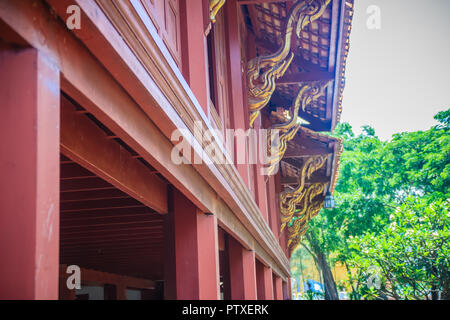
103, 228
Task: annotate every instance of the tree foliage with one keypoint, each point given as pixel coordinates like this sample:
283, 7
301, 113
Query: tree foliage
410, 258
379, 180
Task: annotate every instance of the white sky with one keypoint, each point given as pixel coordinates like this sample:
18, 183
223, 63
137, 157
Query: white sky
398, 77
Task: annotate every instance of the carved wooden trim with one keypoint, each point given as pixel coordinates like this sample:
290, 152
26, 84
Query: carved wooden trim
289, 199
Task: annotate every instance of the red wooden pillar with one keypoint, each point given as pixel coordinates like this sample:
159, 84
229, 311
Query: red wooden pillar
242, 271
191, 251
268, 283
265, 285
285, 290
29, 170
277, 288
208, 257
236, 78
194, 49
289, 289
121, 292
272, 199
261, 189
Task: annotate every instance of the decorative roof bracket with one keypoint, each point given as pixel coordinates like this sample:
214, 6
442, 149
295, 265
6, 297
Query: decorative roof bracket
262, 71
309, 209
289, 200
309, 91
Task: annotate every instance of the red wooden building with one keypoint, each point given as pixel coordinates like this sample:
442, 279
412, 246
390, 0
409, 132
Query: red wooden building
91, 92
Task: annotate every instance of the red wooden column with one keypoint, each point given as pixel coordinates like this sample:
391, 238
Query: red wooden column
277, 287
236, 80
286, 295
194, 50
272, 199
261, 189
265, 285
29, 170
289, 289
191, 251
242, 271
121, 292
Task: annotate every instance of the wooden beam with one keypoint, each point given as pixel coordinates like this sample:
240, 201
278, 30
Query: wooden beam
304, 152
315, 123
78, 196
307, 66
74, 171
254, 20
98, 277
333, 57
294, 180
269, 46
242, 2
299, 61
296, 78
84, 142
309, 145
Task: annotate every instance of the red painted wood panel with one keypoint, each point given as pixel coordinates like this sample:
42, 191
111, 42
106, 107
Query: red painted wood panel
242, 271
221, 77
277, 288
194, 52
191, 251
235, 61
29, 170
165, 15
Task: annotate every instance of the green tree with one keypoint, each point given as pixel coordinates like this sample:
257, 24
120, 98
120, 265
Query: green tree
359, 204
418, 163
410, 258
376, 177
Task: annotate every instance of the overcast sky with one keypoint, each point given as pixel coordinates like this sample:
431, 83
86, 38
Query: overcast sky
398, 77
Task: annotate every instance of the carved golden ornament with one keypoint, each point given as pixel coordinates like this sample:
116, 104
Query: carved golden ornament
308, 92
214, 7
289, 200
296, 241
283, 139
262, 71
300, 228
309, 210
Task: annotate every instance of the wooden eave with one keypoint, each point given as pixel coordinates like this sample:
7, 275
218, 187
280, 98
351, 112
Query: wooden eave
308, 143
320, 54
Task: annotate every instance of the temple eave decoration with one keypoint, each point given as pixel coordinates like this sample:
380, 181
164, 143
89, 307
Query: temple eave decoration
295, 86
306, 185
264, 70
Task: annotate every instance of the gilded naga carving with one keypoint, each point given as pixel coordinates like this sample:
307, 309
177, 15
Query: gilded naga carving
264, 70
299, 226
309, 209
214, 7
289, 199
296, 241
308, 92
